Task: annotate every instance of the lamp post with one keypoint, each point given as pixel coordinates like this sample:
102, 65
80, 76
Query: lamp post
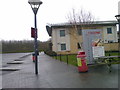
118, 19
35, 4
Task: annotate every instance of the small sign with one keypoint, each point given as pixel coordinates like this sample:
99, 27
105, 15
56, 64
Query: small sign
32, 32
98, 51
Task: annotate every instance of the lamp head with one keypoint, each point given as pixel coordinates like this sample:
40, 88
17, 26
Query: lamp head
35, 4
118, 17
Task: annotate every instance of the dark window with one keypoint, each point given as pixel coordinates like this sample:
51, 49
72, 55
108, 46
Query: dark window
109, 30
119, 40
62, 33
78, 45
63, 46
110, 41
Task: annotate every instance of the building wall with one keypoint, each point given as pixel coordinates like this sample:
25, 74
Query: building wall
110, 37
57, 40
111, 46
54, 40
71, 39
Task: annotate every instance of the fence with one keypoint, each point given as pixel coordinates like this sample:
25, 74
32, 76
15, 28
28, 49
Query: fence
68, 58
72, 58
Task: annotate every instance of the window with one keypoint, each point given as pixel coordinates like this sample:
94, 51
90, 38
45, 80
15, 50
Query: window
62, 33
109, 30
63, 46
78, 45
110, 41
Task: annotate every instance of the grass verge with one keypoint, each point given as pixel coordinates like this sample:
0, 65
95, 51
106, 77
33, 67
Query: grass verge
72, 59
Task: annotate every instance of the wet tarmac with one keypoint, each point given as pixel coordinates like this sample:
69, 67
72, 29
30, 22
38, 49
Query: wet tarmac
56, 74
9, 57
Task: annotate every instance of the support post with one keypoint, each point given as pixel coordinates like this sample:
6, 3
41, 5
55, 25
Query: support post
36, 45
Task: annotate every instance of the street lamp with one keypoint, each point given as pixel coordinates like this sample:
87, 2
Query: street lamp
118, 19
35, 4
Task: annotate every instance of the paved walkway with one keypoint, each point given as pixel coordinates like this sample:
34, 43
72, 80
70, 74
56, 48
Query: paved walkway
56, 74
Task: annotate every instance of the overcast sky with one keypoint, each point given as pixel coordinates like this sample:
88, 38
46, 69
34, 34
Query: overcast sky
17, 18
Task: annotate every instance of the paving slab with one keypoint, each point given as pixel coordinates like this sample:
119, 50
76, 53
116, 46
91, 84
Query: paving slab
15, 62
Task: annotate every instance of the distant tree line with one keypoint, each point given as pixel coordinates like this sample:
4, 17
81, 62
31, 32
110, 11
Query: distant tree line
15, 46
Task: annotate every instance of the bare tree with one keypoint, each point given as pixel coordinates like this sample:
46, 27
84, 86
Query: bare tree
80, 17
78, 20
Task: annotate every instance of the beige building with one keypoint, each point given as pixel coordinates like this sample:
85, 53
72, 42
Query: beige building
67, 38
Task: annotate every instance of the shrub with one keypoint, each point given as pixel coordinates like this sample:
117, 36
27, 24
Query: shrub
50, 53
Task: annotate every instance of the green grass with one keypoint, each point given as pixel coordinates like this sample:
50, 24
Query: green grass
111, 53
72, 59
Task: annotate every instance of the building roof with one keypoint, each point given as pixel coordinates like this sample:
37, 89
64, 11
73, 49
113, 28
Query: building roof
103, 23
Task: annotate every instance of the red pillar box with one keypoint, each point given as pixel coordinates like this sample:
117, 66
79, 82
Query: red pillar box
81, 61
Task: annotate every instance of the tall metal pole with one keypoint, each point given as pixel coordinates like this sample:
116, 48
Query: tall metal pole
36, 44
35, 4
